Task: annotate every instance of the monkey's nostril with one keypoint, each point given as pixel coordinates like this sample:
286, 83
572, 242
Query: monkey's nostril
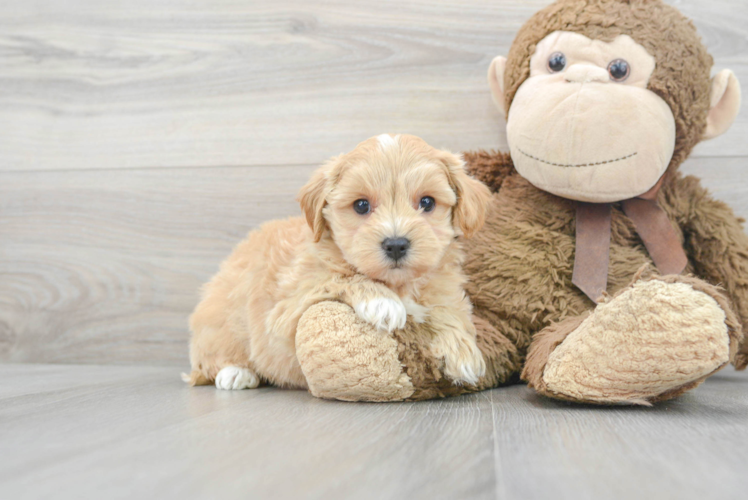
396, 248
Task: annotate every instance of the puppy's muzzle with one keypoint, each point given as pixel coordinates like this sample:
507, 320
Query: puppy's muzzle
396, 248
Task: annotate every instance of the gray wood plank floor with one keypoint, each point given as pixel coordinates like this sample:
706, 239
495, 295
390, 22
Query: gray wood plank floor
125, 432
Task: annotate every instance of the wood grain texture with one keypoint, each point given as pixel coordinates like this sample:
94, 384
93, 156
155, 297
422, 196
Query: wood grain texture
105, 266
108, 84
134, 432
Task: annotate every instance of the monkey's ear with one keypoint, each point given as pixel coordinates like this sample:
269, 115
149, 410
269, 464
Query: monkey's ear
496, 82
313, 196
473, 197
724, 105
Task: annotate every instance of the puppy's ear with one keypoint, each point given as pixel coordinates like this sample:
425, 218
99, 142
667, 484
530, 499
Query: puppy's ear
313, 196
472, 196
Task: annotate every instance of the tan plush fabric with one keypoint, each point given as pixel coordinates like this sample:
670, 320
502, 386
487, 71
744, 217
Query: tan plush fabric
543, 345
579, 135
660, 28
652, 338
725, 103
342, 357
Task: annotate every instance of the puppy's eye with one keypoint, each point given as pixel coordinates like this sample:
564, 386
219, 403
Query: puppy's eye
361, 207
427, 203
557, 62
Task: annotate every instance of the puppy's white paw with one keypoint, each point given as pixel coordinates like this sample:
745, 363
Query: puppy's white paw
468, 371
463, 363
384, 313
416, 311
235, 378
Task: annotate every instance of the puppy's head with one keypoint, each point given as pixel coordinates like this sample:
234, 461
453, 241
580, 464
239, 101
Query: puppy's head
394, 205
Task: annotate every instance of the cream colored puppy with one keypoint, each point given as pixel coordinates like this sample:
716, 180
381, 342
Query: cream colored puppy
380, 235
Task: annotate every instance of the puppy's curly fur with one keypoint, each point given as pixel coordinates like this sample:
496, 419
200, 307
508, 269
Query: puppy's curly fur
243, 330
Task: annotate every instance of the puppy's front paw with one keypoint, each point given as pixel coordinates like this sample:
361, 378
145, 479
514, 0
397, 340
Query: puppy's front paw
235, 378
417, 312
384, 313
463, 362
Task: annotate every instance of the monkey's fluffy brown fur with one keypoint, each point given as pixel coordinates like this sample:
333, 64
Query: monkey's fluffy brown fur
521, 263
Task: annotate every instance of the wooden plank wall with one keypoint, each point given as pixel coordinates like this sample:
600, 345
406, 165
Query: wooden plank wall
140, 140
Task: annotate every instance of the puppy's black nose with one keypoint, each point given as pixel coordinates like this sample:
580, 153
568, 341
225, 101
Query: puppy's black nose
396, 248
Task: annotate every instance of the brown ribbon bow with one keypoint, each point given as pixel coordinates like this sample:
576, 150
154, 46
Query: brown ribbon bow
592, 252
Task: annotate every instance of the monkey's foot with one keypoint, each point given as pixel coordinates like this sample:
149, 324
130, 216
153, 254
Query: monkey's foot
344, 357
653, 341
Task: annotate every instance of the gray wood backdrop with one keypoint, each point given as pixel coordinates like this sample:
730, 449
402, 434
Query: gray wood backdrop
140, 140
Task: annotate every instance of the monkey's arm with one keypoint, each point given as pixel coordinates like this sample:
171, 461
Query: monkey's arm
491, 168
716, 245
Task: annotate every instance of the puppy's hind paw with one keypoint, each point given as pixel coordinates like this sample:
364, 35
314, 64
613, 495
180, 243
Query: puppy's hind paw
233, 378
384, 313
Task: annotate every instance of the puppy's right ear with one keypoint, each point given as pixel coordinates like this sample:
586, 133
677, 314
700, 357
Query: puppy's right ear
473, 196
313, 196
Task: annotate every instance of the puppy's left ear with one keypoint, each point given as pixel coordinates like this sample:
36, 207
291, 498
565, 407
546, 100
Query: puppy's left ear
313, 196
472, 196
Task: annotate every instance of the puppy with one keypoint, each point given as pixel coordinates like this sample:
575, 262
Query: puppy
380, 234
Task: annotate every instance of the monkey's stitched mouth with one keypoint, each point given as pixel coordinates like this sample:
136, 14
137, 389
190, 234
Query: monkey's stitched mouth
579, 165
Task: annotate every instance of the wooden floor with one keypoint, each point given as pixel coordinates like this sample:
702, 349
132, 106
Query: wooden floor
74, 432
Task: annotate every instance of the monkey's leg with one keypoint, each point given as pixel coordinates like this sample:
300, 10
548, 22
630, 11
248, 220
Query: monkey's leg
343, 357
653, 341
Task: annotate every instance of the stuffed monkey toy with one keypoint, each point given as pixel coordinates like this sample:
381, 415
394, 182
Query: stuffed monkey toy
602, 275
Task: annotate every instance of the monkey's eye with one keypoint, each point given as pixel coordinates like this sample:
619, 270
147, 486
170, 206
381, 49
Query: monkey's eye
362, 207
557, 62
427, 203
619, 70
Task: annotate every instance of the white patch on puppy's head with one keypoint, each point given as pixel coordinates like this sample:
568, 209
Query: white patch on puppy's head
387, 141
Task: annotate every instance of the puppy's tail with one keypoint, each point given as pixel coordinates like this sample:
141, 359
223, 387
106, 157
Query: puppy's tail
196, 378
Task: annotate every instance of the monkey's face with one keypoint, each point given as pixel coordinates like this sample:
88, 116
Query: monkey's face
584, 125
